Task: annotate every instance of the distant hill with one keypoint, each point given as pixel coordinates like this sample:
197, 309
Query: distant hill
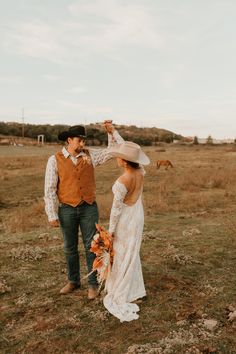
144, 136
95, 133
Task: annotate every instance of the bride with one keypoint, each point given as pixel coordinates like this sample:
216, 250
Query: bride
125, 281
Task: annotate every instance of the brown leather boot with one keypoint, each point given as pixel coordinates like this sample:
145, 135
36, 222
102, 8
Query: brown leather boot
92, 293
68, 288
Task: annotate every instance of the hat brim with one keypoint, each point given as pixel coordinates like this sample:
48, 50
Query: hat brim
64, 135
143, 159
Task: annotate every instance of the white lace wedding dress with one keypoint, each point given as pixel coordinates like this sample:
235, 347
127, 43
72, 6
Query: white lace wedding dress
125, 281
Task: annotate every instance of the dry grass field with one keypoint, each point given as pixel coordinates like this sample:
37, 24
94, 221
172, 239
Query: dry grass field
188, 257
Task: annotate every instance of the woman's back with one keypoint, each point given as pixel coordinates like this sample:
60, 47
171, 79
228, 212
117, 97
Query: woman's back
133, 181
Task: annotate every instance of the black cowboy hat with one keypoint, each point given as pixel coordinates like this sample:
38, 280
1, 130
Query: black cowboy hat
72, 132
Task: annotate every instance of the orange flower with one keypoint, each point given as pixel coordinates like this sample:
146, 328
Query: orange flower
102, 246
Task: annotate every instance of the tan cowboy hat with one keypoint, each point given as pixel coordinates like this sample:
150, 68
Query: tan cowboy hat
129, 151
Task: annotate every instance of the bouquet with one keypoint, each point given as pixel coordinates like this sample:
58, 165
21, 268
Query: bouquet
102, 246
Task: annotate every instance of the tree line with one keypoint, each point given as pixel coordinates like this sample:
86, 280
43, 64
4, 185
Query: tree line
95, 133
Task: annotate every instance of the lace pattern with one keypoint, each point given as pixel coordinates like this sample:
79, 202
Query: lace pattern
125, 282
119, 190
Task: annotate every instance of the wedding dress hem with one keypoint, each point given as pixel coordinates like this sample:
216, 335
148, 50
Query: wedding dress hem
125, 312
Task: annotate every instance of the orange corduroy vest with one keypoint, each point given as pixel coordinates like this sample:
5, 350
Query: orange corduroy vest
76, 183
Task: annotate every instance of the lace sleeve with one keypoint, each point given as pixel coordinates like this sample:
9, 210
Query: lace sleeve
120, 192
100, 156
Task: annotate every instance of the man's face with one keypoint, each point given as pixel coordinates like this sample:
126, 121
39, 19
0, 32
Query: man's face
76, 144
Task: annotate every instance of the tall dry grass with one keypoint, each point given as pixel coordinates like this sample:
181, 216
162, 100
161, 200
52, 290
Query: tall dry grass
200, 180
189, 189
26, 218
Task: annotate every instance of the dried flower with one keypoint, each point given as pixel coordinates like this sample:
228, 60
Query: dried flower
102, 246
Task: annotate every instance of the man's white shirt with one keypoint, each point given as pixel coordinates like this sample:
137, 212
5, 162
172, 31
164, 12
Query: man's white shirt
98, 157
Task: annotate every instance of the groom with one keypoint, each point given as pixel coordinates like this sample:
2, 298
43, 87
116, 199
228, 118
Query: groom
70, 198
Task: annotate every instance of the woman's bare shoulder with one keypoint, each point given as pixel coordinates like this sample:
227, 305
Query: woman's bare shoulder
125, 179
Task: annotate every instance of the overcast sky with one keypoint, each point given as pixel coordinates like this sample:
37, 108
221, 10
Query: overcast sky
164, 63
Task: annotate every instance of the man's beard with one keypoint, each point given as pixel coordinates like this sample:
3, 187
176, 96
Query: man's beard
79, 149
